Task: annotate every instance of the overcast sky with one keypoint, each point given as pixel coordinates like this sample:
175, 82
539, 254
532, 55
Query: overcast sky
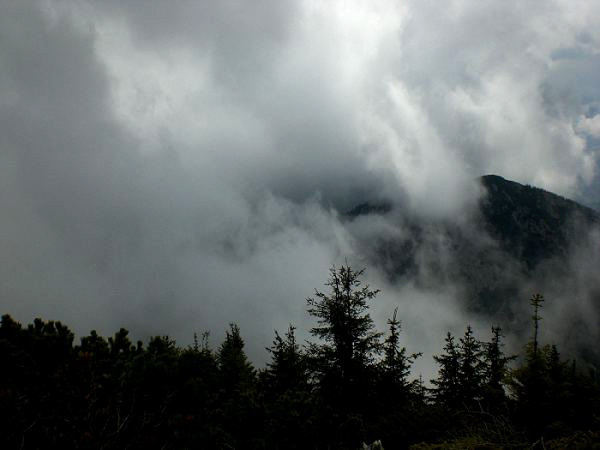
174, 166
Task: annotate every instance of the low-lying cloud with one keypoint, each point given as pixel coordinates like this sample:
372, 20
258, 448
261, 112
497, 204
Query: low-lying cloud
173, 167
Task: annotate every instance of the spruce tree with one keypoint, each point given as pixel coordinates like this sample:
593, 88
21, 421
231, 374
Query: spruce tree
470, 368
287, 369
235, 369
348, 339
556, 367
343, 360
396, 363
287, 394
536, 301
447, 390
496, 369
240, 409
529, 382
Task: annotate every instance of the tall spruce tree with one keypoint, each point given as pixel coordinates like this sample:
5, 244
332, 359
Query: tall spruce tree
288, 395
240, 410
343, 360
529, 382
470, 368
396, 363
447, 389
348, 339
536, 301
496, 369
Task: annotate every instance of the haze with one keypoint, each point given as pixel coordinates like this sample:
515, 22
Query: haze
170, 167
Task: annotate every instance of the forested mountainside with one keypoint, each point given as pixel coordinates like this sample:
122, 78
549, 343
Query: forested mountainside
527, 226
532, 224
519, 238
350, 384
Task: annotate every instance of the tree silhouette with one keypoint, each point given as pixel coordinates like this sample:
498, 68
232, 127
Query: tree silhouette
288, 394
235, 370
240, 405
396, 364
536, 301
348, 339
496, 370
345, 388
529, 382
343, 360
447, 389
470, 368
287, 369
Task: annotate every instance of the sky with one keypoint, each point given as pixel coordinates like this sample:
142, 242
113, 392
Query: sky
171, 167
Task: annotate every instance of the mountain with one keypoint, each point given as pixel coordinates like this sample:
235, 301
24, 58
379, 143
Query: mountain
532, 224
517, 241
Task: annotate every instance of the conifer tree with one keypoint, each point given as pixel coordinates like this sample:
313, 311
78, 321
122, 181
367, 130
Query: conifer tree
234, 367
349, 341
343, 360
420, 390
240, 408
496, 369
447, 390
529, 382
556, 367
536, 301
470, 368
287, 368
396, 363
288, 394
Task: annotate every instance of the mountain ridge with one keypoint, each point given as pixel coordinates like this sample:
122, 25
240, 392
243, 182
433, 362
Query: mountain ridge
532, 223
519, 240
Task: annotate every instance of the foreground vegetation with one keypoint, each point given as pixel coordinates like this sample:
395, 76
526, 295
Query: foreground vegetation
351, 384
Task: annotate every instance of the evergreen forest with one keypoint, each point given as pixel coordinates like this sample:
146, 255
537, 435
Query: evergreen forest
349, 387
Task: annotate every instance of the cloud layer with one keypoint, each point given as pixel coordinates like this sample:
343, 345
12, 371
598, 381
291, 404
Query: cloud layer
172, 168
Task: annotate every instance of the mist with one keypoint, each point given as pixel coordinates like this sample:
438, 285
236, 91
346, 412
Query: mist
175, 168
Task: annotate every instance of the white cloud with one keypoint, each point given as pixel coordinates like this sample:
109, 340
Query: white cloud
151, 155
589, 125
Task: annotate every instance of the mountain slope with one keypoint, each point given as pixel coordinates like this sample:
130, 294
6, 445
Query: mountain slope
519, 240
532, 224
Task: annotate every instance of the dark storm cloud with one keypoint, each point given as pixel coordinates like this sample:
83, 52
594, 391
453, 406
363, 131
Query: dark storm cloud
174, 167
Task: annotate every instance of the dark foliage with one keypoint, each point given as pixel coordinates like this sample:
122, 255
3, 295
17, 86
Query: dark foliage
349, 386
532, 224
447, 386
